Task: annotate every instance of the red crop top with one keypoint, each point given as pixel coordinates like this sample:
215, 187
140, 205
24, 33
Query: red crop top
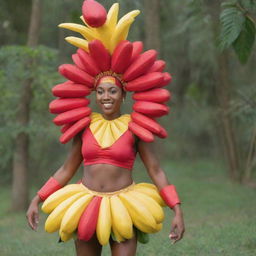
122, 153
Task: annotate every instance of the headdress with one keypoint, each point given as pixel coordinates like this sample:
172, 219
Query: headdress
104, 51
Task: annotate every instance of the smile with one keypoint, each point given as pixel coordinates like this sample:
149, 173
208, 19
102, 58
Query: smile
107, 105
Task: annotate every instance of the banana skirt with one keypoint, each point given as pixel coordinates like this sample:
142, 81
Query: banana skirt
76, 211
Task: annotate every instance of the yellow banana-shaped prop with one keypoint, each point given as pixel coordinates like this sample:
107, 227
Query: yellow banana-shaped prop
121, 220
60, 195
53, 221
151, 205
65, 237
112, 17
103, 228
151, 193
141, 216
83, 30
78, 42
71, 218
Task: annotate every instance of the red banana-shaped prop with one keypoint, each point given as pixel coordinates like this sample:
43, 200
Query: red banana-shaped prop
89, 64
66, 127
76, 59
61, 105
70, 90
72, 115
88, 221
167, 79
151, 109
100, 54
163, 133
94, 13
141, 132
121, 57
74, 129
145, 82
145, 122
140, 66
157, 95
158, 66
149, 124
137, 50
76, 75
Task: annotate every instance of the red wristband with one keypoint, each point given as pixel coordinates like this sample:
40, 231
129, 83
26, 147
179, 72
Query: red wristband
48, 188
170, 195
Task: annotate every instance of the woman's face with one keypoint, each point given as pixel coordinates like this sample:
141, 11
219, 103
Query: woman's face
109, 97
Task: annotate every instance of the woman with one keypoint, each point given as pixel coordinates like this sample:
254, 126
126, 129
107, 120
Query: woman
107, 143
109, 98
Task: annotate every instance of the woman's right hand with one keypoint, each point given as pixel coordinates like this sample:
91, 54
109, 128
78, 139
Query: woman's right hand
33, 213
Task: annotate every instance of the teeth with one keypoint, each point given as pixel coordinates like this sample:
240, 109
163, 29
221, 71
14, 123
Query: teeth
107, 105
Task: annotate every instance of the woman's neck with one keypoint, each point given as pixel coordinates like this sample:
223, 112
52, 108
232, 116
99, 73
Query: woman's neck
111, 116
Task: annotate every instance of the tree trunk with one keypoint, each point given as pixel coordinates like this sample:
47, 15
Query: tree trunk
21, 150
152, 24
223, 88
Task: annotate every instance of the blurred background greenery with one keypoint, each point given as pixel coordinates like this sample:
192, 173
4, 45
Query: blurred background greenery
210, 52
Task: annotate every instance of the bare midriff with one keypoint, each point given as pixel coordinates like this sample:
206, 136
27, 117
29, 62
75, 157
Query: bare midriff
106, 177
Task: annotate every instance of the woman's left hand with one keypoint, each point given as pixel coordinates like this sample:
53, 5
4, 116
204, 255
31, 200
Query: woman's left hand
177, 227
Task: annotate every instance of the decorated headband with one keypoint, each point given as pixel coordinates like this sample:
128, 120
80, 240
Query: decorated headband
104, 51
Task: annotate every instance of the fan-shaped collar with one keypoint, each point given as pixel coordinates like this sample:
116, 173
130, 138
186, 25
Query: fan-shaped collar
106, 132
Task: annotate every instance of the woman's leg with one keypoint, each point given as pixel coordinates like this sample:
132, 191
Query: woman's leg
126, 248
90, 248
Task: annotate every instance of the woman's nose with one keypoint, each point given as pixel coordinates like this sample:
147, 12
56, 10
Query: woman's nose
105, 95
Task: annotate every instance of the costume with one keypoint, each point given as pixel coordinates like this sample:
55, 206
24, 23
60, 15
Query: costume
106, 54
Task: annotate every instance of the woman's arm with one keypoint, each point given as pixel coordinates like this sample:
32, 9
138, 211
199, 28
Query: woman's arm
156, 173
62, 176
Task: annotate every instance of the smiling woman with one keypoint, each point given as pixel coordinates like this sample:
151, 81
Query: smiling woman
107, 207
109, 96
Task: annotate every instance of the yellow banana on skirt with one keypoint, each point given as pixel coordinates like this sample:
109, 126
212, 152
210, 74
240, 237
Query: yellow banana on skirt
77, 211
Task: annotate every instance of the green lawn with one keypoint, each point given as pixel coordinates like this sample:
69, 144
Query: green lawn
220, 218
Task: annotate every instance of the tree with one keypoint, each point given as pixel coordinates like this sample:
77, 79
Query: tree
21, 150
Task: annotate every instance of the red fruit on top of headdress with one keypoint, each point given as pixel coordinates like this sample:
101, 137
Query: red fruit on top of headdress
151, 109
61, 105
74, 129
141, 65
157, 95
70, 90
88, 221
94, 13
76, 75
145, 82
72, 115
141, 132
146, 122
158, 66
137, 50
100, 55
121, 57
167, 79
89, 64
76, 59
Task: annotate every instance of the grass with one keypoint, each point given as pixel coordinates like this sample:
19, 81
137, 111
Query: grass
219, 216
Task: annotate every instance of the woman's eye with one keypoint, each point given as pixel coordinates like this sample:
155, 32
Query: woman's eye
113, 91
99, 92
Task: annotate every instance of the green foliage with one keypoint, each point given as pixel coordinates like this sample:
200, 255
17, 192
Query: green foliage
17, 64
237, 28
244, 43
